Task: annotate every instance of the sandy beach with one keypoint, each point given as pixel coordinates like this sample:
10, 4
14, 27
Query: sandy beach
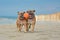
43, 31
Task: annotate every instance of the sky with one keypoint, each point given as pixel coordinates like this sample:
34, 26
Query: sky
11, 7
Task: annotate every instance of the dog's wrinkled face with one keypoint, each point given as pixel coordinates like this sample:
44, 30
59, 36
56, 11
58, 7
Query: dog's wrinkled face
31, 13
20, 14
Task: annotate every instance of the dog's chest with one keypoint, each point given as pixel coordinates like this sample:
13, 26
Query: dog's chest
30, 21
22, 22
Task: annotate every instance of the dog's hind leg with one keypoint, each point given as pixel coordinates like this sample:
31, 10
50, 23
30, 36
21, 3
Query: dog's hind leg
29, 26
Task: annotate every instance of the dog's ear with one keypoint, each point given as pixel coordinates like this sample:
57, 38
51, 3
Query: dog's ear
32, 10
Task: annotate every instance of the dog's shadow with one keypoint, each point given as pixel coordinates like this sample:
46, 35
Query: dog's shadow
32, 32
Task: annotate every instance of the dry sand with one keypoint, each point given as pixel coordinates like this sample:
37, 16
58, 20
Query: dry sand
43, 31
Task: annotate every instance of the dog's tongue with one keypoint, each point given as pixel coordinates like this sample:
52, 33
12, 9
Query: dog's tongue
26, 15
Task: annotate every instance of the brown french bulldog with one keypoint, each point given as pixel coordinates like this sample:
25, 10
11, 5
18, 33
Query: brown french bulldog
31, 19
21, 21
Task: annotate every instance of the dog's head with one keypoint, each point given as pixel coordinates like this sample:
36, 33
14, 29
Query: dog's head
31, 14
20, 15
